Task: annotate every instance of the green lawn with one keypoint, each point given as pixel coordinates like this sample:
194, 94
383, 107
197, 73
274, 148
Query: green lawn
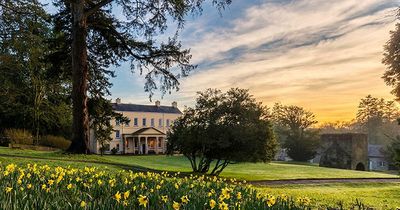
247, 171
378, 195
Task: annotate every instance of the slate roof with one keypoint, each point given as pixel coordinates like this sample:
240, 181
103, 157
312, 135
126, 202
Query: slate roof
375, 150
145, 108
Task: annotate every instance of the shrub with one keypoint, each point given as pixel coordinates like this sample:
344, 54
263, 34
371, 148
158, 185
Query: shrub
114, 151
18, 136
55, 141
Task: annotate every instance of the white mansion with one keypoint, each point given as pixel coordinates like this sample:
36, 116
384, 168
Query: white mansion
146, 132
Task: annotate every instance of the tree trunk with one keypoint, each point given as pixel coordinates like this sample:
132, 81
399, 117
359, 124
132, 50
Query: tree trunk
80, 73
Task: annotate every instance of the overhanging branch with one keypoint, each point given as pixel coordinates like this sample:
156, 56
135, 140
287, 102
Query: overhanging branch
96, 7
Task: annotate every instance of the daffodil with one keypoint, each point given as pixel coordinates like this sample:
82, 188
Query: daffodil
29, 186
83, 204
126, 195
270, 200
212, 203
239, 195
223, 206
176, 205
8, 189
164, 198
143, 200
69, 186
125, 203
117, 196
185, 199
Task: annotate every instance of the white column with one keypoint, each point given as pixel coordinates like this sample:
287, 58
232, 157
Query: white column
158, 148
147, 147
139, 146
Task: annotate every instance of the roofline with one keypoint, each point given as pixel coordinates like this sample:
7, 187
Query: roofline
180, 112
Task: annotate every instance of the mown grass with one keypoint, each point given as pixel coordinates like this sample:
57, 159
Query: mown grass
378, 195
244, 171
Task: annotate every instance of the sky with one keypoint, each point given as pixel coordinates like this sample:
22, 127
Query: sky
323, 55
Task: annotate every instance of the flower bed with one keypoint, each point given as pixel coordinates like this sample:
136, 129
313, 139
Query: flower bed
44, 187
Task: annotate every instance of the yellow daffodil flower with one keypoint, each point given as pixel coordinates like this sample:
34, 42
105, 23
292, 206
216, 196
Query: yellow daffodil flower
83, 204
164, 198
8, 189
185, 199
126, 194
212, 203
143, 200
117, 196
176, 205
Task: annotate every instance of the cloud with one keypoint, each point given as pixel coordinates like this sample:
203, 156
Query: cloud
322, 55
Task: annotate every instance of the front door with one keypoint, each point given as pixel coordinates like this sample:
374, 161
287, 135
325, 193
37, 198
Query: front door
143, 148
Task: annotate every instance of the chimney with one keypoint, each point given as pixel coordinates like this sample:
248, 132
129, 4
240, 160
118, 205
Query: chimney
174, 104
118, 100
157, 103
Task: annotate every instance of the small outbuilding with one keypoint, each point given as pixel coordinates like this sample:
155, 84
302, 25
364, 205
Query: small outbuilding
377, 159
346, 151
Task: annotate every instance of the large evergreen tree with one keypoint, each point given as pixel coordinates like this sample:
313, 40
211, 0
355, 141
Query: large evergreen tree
99, 39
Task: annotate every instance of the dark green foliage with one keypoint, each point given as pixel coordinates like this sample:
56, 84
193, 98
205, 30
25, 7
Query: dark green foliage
393, 152
391, 60
31, 97
225, 128
302, 146
293, 125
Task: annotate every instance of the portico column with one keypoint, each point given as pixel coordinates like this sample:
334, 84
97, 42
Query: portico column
147, 147
139, 146
157, 145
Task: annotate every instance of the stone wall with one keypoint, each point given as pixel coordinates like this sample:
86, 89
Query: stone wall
346, 151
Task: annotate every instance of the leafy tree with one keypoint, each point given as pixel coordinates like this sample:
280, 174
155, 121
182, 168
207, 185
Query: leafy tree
223, 128
98, 39
30, 96
294, 124
391, 58
377, 117
101, 114
340, 127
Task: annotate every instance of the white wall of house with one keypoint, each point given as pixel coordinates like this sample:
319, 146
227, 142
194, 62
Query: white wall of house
138, 120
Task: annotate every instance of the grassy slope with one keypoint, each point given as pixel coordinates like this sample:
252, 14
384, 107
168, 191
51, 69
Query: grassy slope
248, 171
379, 195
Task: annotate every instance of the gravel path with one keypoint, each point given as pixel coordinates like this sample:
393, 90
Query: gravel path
324, 181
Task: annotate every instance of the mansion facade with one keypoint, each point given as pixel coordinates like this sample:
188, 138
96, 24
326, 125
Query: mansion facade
144, 134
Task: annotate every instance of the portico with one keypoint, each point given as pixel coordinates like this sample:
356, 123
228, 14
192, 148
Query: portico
144, 141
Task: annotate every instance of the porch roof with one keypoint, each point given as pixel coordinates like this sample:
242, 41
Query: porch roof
147, 131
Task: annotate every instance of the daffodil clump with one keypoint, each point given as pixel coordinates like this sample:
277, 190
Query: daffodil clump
43, 187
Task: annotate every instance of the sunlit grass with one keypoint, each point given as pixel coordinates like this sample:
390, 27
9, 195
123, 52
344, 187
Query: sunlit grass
245, 171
